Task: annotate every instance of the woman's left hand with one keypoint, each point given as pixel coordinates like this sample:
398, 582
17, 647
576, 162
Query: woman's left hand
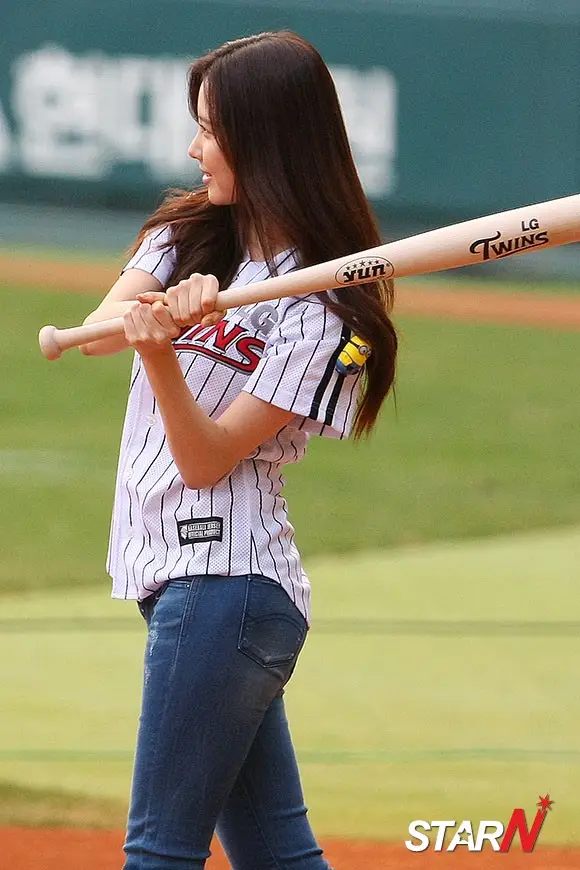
149, 326
194, 300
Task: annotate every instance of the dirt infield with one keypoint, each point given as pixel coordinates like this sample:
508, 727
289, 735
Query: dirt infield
77, 849
559, 311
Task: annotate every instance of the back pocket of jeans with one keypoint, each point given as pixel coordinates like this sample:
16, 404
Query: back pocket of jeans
273, 630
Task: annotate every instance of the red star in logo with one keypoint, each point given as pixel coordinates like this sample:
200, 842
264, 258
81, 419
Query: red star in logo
545, 803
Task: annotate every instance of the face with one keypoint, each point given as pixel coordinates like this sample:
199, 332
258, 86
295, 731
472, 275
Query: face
217, 174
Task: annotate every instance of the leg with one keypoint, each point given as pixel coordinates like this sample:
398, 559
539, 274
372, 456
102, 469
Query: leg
264, 825
204, 698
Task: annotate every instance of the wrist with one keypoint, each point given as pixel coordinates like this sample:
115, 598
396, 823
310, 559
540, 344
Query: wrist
157, 352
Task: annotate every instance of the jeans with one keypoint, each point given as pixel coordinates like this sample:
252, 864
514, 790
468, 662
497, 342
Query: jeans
214, 751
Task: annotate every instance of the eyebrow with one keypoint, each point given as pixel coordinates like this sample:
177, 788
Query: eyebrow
203, 121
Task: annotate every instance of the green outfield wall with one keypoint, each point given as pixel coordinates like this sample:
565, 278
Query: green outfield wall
453, 108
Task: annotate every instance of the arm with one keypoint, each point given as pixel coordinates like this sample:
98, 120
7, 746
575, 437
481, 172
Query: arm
148, 270
117, 301
203, 449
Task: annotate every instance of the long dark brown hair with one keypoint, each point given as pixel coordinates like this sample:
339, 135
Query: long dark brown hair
275, 114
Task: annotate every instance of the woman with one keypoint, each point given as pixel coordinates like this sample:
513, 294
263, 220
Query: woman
219, 403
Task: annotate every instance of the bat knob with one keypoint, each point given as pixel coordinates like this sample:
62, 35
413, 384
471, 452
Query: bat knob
48, 343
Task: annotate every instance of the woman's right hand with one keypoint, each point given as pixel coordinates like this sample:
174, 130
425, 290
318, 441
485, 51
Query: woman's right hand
191, 301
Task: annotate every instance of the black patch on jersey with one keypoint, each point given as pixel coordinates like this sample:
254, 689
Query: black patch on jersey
199, 530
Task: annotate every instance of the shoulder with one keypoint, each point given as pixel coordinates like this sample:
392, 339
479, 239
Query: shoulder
158, 237
156, 254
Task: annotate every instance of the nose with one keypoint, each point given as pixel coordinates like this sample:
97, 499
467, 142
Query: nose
194, 150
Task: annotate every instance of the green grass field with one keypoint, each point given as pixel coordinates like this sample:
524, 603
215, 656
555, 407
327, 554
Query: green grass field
484, 439
441, 674
441, 683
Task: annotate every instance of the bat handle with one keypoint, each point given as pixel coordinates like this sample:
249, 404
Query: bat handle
53, 342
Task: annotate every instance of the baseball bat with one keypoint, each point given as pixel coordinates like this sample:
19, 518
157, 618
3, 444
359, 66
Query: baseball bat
493, 237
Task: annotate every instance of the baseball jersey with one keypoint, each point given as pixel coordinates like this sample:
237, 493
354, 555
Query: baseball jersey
283, 352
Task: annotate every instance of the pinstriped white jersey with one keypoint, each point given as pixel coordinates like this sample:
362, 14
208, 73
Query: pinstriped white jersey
283, 352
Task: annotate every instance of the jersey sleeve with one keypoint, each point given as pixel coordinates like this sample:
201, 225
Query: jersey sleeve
153, 257
297, 371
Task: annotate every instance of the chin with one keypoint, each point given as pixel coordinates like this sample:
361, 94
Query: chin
217, 197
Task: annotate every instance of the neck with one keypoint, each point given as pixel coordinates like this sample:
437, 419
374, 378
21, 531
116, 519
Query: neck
276, 242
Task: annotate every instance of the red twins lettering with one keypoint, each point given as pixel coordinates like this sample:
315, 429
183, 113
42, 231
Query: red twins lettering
227, 343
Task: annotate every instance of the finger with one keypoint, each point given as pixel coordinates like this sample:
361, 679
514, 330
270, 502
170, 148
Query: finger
194, 310
142, 320
148, 326
151, 296
209, 291
163, 317
183, 303
213, 318
177, 302
171, 302
129, 323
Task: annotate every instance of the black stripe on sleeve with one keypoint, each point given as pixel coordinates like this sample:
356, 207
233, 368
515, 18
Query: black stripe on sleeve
333, 402
328, 373
139, 254
145, 252
159, 261
347, 412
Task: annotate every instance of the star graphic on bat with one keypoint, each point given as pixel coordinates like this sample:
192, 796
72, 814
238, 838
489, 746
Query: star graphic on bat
545, 803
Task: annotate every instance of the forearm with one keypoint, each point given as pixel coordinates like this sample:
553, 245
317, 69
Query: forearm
200, 446
106, 346
115, 304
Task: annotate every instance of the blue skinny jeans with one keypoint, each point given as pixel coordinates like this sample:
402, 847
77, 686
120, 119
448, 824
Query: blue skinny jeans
214, 751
